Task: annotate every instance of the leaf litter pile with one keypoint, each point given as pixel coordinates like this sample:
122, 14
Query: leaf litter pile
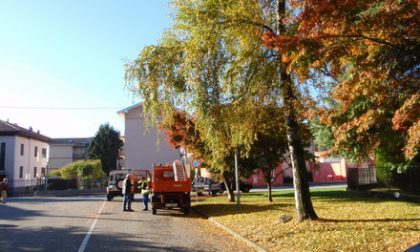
347, 222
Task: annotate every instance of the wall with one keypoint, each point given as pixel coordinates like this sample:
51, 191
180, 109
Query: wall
28, 160
325, 173
143, 149
60, 155
330, 172
10, 152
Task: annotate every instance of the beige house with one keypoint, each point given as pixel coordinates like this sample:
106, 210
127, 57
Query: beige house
64, 151
143, 148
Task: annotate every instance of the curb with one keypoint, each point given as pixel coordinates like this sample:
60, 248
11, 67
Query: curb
231, 232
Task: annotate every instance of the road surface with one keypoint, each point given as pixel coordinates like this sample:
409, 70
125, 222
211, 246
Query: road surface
90, 223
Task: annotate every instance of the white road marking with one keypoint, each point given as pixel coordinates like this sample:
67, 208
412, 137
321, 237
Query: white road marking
85, 241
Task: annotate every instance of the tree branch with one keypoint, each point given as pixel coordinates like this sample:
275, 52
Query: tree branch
247, 21
359, 36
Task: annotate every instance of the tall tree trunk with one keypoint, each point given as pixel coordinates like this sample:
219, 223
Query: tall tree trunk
229, 186
269, 188
267, 173
303, 201
304, 207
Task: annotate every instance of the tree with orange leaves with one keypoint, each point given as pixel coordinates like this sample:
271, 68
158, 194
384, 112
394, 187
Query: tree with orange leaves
372, 50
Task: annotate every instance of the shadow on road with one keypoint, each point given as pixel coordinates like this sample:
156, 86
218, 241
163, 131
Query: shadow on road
70, 239
8, 212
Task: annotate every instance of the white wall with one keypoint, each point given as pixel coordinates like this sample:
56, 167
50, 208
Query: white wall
141, 148
28, 159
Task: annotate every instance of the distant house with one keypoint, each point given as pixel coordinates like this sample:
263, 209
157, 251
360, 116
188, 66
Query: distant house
329, 168
325, 169
143, 148
23, 155
64, 151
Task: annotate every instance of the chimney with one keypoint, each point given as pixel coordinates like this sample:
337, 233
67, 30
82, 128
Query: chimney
30, 129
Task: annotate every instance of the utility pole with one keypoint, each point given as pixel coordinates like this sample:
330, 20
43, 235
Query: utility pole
238, 197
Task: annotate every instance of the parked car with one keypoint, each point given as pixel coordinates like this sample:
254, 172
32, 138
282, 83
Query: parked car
244, 186
202, 184
197, 185
213, 187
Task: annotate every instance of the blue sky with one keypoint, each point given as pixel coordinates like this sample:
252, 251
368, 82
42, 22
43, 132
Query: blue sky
70, 54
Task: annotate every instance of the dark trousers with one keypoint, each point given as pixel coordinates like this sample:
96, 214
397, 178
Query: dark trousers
145, 200
127, 201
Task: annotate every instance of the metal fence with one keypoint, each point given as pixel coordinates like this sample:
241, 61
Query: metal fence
29, 187
26, 186
361, 178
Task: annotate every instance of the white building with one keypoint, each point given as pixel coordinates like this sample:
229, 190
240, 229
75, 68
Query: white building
143, 148
23, 156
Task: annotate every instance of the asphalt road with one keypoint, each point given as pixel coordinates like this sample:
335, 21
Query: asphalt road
90, 223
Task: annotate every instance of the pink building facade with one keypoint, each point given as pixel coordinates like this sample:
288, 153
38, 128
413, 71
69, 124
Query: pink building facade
324, 170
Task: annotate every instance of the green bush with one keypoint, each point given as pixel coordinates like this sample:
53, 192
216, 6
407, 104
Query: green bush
54, 173
88, 169
62, 184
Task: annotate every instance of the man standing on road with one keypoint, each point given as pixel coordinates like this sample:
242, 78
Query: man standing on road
144, 186
127, 191
3, 190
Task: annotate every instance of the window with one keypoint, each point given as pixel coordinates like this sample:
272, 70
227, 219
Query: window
44, 152
2, 156
168, 174
21, 172
22, 147
42, 171
36, 151
35, 172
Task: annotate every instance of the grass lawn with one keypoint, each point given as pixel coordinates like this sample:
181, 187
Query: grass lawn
347, 222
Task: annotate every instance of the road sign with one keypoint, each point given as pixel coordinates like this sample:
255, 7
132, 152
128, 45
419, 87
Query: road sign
196, 163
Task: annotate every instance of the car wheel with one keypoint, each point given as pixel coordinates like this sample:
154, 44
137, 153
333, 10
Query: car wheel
109, 197
186, 210
153, 211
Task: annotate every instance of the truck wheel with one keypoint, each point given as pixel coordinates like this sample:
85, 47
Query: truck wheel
109, 197
186, 210
153, 211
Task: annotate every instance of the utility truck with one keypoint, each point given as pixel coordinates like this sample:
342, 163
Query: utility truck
171, 187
